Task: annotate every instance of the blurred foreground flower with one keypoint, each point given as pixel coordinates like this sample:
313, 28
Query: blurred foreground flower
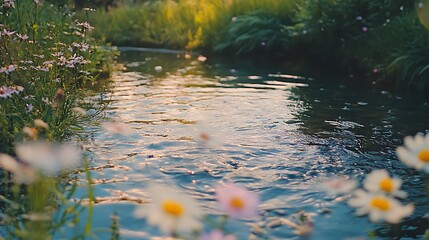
380, 207
301, 222
30, 132
202, 58
237, 202
79, 111
158, 68
416, 152
216, 235
40, 124
49, 158
22, 174
171, 210
339, 185
380, 181
116, 128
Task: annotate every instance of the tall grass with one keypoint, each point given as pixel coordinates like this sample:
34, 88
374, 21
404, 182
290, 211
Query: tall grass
46, 60
186, 24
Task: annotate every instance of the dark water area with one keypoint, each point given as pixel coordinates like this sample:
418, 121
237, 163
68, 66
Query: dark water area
277, 130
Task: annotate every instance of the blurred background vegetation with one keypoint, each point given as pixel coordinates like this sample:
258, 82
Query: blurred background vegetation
375, 40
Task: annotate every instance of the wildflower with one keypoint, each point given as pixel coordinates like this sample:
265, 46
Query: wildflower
22, 37
17, 89
46, 101
8, 4
5, 92
8, 69
201, 58
79, 111
301, 222
216, 235
40, 124
237, 202
380, 181
170, 210
380, 207
49, 158
339, 185
206, 134
30, 132
85, 25
29, 107
59, 94
57, 54
416, 152
37, 2
158, 68
7, 33
22, 174
116, 128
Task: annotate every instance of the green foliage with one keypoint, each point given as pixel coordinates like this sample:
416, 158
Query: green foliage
181, 24
46, 61
357, 37
52, 58
253, 33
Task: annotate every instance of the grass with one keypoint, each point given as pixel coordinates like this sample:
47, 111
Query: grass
47, 60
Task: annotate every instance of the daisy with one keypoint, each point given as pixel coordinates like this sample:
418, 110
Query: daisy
237, 202
339, 185
48, 158
6, 92
171, 210
22, 174
380, 207
416, 152
380, 181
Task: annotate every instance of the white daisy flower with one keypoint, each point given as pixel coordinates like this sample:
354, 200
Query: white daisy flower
22, 174
171, 210
416, 152
380, 207
380, 181
338, 185
48, 158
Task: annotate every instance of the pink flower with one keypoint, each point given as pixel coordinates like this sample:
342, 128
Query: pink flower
216, 235
237, 202
116, 128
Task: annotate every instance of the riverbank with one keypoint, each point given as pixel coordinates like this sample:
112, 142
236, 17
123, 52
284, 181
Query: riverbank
369, 39
48, 63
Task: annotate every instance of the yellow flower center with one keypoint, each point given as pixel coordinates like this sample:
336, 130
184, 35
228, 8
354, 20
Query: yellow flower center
173, 208
386, 184
237, 203
424, 155
380, 203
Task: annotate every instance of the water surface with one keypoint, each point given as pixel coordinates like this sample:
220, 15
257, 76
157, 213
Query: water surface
274, 130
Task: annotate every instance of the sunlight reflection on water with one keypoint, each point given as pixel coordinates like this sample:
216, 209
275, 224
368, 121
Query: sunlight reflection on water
278, 134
